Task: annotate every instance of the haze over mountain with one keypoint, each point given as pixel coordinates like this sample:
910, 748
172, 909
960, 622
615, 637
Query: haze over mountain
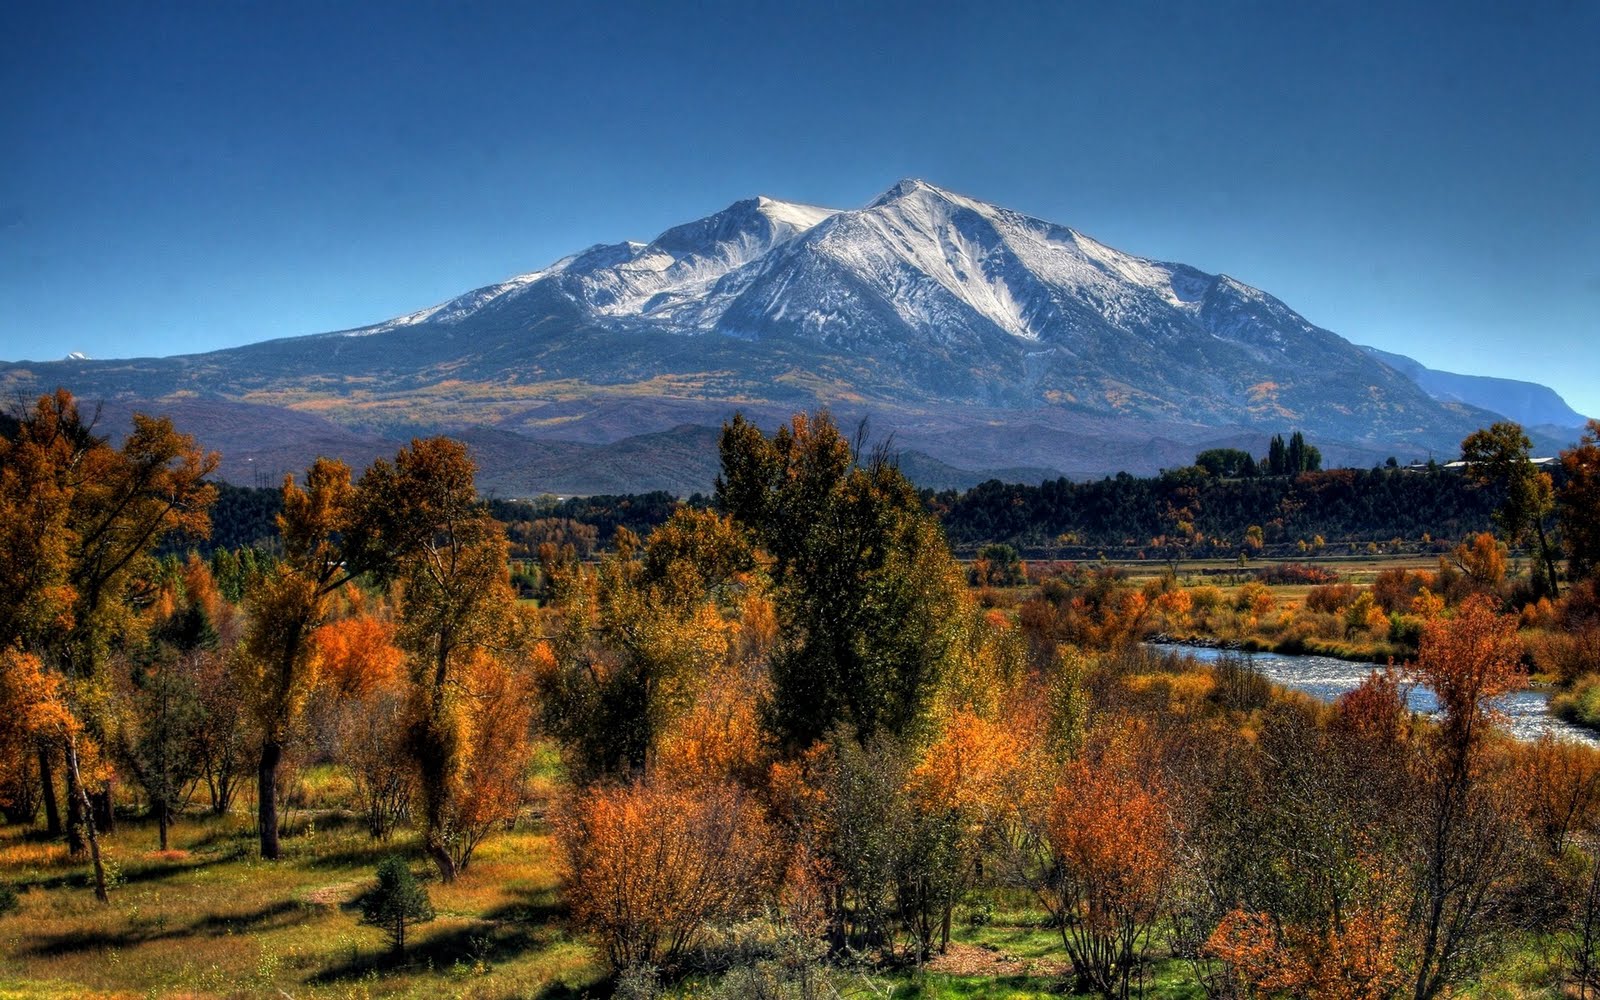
1528, 403
982, 339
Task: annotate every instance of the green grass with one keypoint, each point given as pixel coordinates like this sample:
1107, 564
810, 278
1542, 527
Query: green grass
208, 919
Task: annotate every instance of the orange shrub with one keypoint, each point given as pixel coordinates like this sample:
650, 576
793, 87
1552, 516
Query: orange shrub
649, 867
1110, 832
1356, 960
1330, 599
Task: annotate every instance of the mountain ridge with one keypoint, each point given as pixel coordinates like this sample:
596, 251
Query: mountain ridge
1528, 403
979, 337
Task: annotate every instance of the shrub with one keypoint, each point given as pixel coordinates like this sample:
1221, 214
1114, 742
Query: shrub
1297, 573
398, 902
1254, 598
1394, 589
1240, 686
1581, 702
650, 867
1405, 630
1331, 598
1205, 598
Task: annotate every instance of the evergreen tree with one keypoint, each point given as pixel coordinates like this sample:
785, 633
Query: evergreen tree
1277, 459
398, 902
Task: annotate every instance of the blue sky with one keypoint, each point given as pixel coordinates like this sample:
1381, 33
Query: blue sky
183, 177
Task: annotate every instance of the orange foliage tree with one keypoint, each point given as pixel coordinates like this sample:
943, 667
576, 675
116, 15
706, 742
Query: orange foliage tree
650, 867
1578, 503
361, 672
318, 526
34, 706
1356, 959
1470, 838
492, 754
966, 781
1110, 835
78, 519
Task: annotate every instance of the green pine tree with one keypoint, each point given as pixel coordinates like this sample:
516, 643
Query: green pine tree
398, 902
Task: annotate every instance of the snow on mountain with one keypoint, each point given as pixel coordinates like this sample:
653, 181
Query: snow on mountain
951, 269
981, 335
931, 295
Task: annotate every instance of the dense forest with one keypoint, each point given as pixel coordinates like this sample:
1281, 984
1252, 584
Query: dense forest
1125, 512
779, 745
1122, 516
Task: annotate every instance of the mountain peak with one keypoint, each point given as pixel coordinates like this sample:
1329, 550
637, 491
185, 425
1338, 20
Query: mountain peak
906, 187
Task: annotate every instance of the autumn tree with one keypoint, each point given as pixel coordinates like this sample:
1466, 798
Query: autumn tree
33, 705
642, 635
1578, 503
1110, 836
78, 521
962, 793
1498, 456
167, 712
323, 549
1469, 838
425, 524
1300, 851
361, 673
650, 868
864, 584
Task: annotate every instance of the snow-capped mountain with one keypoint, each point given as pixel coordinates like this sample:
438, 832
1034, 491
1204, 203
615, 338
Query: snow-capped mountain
978, 335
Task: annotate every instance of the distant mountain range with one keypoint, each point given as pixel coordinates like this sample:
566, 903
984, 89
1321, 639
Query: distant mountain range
985, 342
1528, 403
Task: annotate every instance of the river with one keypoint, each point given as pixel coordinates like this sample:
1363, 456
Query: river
1525, 713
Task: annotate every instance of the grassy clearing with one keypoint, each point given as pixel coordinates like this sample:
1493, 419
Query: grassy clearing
207, 919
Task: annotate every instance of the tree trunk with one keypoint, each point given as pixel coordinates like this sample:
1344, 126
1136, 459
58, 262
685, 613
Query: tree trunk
77, 812
1549, 563
433, 767
161, 821
47, 778
267, 797
105, 817
75, 779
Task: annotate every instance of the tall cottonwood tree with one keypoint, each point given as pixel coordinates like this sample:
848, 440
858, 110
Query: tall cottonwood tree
1579, 503
426, 524
78, 521
1470, 843
322, 551
867, 594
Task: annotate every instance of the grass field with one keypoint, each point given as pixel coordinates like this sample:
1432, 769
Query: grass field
208, 919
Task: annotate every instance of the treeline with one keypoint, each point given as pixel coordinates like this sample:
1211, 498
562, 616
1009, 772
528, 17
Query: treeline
1124, 511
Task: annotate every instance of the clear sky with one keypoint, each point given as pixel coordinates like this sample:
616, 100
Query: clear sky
176, 178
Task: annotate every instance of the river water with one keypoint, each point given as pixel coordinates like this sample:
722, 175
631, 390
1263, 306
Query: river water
1525, 714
